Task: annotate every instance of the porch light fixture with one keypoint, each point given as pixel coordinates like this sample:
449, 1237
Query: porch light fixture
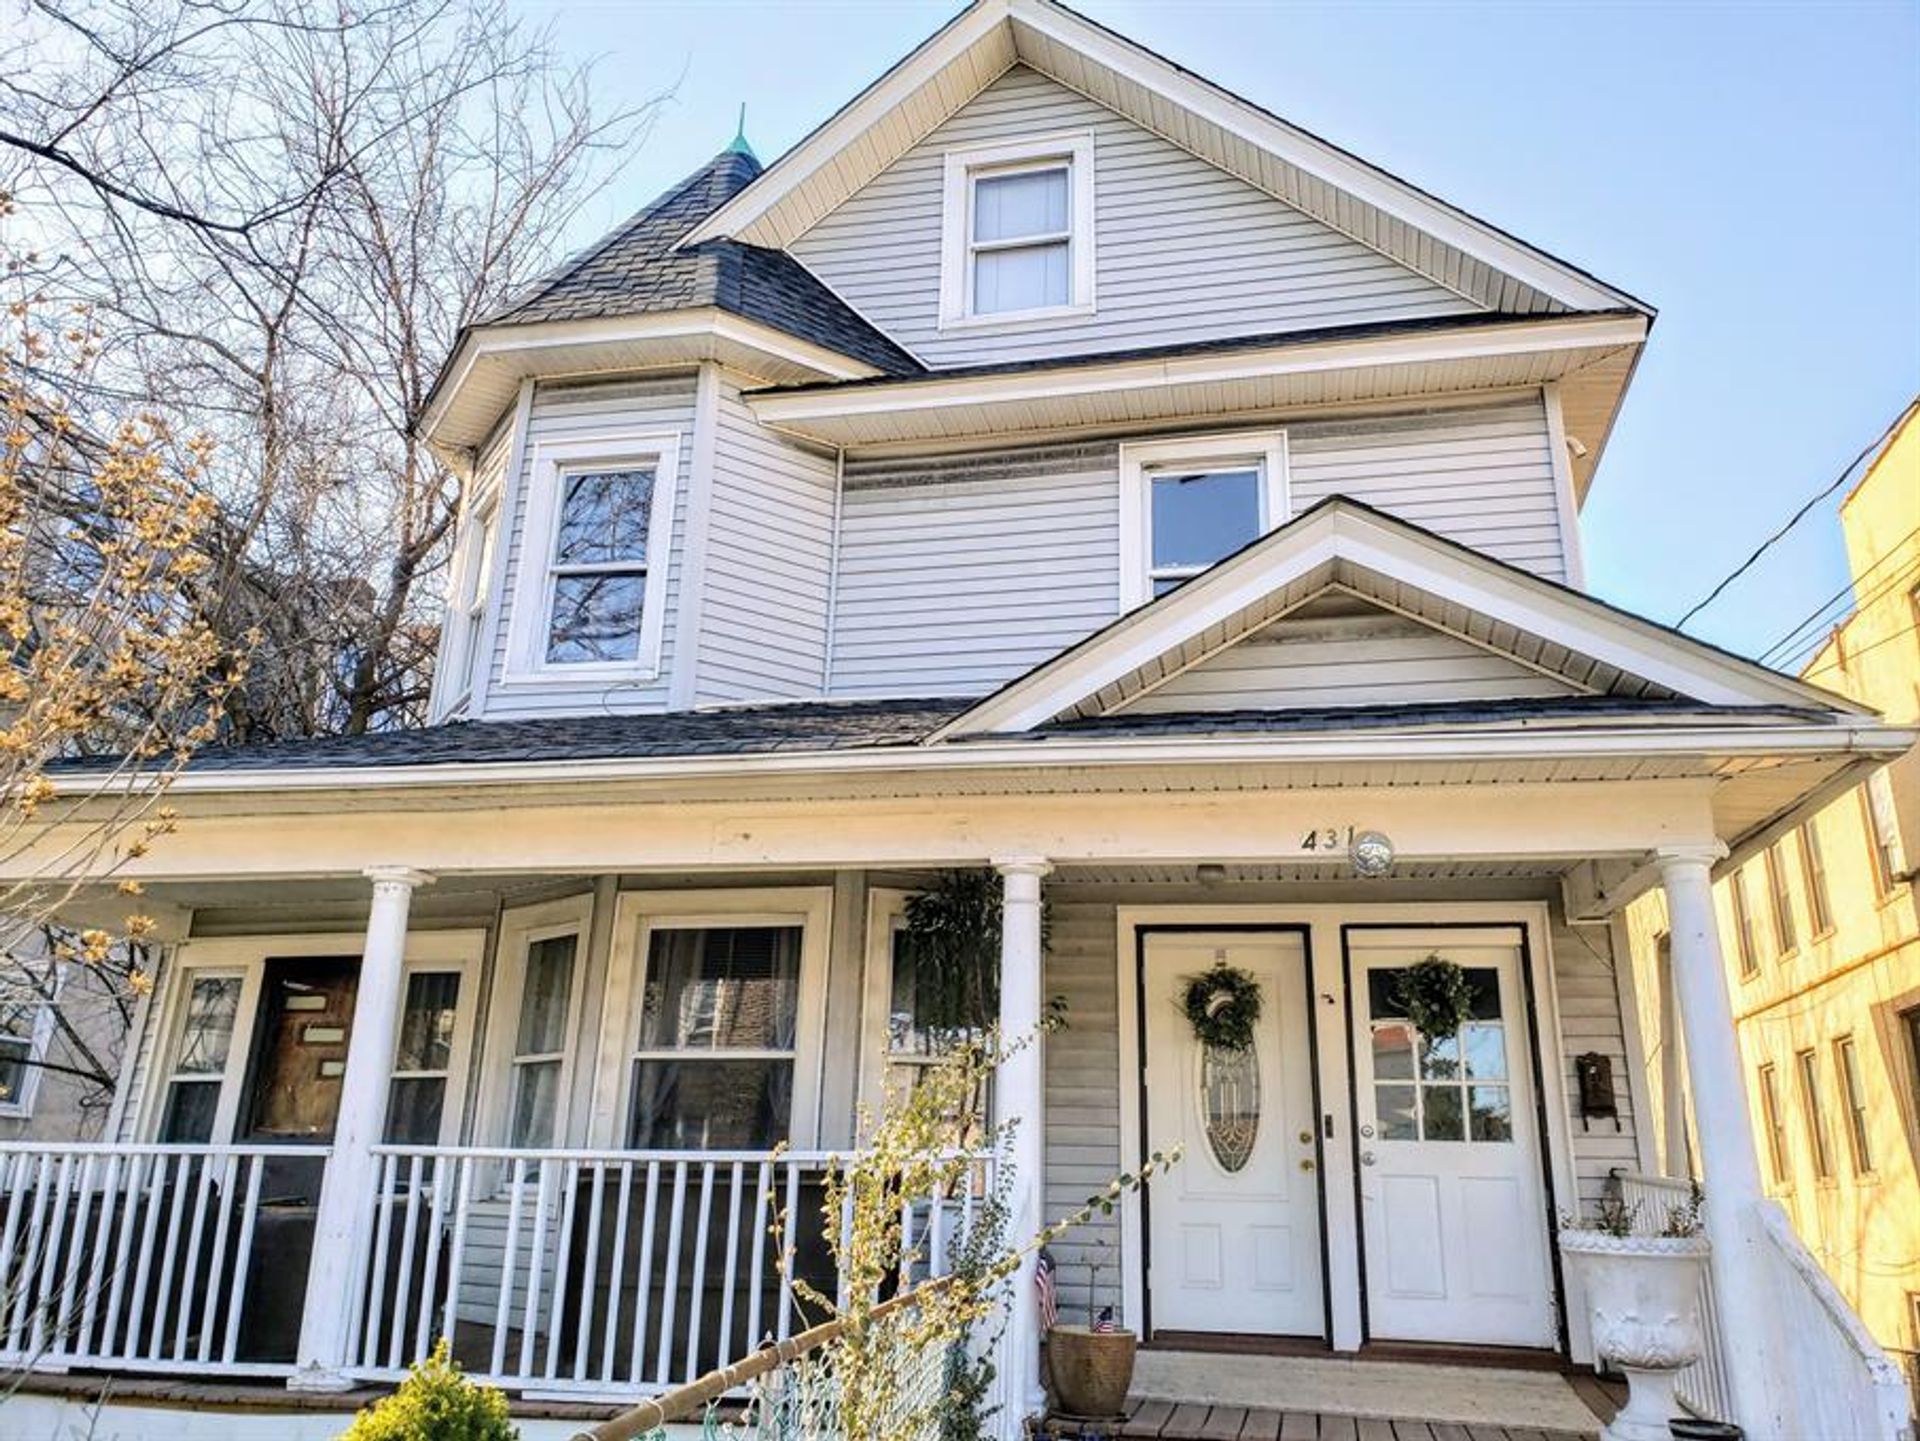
1371, 854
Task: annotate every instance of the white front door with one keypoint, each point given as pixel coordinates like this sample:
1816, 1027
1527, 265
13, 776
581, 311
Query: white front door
1453, 1203
1234, 1228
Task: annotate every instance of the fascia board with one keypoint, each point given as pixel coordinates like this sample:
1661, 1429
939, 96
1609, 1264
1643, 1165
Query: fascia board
1466, 744
1326, 162
844, 129
776, 407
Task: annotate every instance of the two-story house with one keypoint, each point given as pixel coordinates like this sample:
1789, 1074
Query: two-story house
1053, 463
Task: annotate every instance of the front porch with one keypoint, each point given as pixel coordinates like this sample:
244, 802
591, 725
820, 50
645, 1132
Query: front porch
537, 1169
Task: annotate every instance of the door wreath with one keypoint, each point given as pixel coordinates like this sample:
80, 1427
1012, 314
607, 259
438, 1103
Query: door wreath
1436, 996
1223, 1007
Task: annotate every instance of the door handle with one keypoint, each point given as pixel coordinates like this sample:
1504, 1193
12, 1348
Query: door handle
1366, 1158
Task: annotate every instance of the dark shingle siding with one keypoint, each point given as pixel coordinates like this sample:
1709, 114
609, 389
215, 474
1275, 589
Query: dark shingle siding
636, 271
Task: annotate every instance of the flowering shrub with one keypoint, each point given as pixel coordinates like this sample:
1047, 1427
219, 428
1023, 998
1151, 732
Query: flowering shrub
436, 1403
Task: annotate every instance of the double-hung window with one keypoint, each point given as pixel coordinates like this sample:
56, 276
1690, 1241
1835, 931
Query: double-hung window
1780, 901
1779, 1158
470, 600
1853, 1090
1185, 505
1813, 870
540, 1040
719, 1037
1883, 833
1814, 1113
1744, 948
1018, 231
200, 1054
424, 1058
24, 1027
590, 600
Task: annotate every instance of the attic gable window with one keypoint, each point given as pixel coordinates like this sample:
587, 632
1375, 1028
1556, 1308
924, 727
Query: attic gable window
1186, 505
1017, 231
590, 597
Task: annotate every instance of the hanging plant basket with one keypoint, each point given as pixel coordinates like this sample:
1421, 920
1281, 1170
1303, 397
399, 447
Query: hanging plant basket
1437, 997
1223, 1007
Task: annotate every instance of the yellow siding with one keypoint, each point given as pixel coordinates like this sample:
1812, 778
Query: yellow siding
1859, 976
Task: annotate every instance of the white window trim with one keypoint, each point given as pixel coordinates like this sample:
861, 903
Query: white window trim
1138, 459
637, 915
886, 907
247, 956
527, 661
1075, 148
468, 593
20, 1107
520, 931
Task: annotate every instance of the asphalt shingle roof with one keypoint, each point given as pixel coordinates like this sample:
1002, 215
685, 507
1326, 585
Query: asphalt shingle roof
636, 271
827, 726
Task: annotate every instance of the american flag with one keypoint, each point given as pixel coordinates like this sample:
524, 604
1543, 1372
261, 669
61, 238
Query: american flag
1105, 1323
1043, 1283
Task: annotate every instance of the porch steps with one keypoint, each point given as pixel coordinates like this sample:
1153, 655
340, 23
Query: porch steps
1198, 1421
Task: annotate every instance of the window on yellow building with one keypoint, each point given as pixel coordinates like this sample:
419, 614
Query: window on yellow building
1846, 1060
1883, 832
1777, 1156
1813, 871
1819, 1142
1784, 936
1743, 945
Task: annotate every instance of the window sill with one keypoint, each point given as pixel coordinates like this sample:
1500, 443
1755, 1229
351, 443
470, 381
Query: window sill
559, 677
1016, 319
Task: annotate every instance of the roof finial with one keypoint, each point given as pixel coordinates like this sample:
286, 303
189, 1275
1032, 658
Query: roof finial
740, 145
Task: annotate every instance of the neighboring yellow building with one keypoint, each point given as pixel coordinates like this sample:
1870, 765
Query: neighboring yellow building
1823, 953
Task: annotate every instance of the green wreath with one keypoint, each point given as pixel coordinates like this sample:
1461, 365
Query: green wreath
1436, 996
1223, 1006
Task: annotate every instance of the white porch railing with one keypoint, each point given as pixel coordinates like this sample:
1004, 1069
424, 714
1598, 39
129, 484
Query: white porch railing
146, 1257
1846, 1386
1703, 1387
582, 1273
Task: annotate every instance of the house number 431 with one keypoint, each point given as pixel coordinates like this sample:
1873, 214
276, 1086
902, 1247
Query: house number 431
1332, 838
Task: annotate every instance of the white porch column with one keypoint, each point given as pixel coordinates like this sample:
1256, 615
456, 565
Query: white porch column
1729, 1160
1019, 1096
347, 1200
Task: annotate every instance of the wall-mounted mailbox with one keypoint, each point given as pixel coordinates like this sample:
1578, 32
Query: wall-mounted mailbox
1594, 1072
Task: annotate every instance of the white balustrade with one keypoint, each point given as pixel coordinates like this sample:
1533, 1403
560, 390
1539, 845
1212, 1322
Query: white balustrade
152, 1258
601, 1273
1845, 1385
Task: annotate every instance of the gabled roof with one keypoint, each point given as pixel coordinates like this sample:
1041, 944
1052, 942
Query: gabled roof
637, 270
991, 36
1345, 547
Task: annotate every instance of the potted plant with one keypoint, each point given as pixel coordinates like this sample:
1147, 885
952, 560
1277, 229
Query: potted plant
1092, 1365
1643, 1300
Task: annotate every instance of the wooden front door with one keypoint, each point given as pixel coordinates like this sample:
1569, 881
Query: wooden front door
299, 1056
1234, 1228
1452, 1196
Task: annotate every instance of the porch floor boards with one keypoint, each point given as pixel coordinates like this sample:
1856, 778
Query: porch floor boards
1157, 1420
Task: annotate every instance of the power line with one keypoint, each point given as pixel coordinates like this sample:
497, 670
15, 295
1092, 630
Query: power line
1798, 516
1796, 641
1795, 655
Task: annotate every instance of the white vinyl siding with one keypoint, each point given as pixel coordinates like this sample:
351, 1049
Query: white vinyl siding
1184, 250
576, 413
1480, 476
958, 573
769, 552
1367, 661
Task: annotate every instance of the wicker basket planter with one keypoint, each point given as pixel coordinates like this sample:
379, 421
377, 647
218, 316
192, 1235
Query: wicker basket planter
1091, 1370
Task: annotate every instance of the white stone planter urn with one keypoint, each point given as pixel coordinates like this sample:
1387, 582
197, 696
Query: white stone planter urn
1643, 1298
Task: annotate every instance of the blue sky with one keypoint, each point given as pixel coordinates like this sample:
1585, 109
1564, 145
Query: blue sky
1753, 171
